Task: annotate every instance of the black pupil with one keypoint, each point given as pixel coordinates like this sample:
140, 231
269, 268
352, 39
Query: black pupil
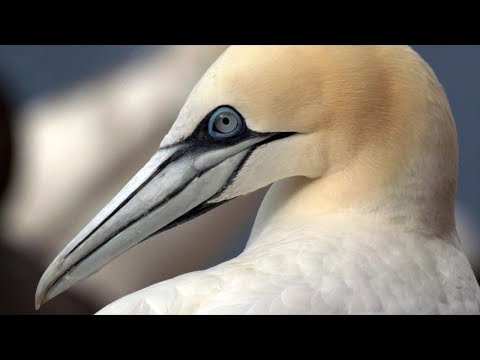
226, 121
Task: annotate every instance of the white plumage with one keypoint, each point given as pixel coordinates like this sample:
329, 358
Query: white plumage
335, 266
360, 217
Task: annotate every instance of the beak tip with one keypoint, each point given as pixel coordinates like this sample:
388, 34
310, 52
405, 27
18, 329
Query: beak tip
39, 299
41, 295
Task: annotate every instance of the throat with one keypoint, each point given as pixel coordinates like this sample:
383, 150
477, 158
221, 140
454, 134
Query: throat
408, 206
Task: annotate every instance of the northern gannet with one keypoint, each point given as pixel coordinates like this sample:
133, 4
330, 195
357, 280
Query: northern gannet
360, 145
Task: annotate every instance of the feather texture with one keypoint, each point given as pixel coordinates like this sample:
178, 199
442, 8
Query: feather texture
334, 267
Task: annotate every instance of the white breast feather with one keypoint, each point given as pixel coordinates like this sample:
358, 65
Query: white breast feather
300, 272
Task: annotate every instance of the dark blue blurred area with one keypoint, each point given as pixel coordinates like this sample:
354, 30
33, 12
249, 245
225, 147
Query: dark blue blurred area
458, 69
37, 70
32, 71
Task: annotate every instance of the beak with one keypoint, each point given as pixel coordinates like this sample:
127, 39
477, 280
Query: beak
174, 186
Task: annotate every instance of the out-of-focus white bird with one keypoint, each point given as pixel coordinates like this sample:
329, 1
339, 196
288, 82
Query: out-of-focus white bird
360, 144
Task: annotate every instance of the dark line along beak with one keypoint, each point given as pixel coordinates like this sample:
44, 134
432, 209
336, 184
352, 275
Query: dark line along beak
173, 187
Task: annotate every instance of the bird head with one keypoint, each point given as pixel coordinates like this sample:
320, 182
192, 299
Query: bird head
353, 122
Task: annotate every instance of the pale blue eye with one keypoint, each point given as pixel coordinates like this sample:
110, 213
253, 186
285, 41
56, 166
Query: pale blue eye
225, 122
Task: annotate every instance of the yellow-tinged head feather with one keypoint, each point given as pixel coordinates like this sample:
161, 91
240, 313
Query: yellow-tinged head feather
379, 131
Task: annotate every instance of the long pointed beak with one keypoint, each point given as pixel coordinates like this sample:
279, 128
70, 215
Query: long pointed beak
174, 186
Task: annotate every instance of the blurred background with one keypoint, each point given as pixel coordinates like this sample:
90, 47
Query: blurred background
77, 122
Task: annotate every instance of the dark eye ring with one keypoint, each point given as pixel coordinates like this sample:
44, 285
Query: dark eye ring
225, 122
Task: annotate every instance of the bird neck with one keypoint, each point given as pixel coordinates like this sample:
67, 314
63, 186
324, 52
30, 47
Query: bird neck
385, 162
294, 205
415, 196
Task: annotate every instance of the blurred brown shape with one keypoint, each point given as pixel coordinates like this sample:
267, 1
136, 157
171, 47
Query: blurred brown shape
19, 273
19, 276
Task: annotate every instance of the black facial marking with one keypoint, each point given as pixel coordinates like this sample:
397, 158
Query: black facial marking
198, 142
162, 166
205, 207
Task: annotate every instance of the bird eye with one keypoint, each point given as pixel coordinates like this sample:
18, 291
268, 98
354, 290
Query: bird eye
225, 123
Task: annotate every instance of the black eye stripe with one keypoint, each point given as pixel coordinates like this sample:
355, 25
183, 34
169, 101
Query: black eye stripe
200, 138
